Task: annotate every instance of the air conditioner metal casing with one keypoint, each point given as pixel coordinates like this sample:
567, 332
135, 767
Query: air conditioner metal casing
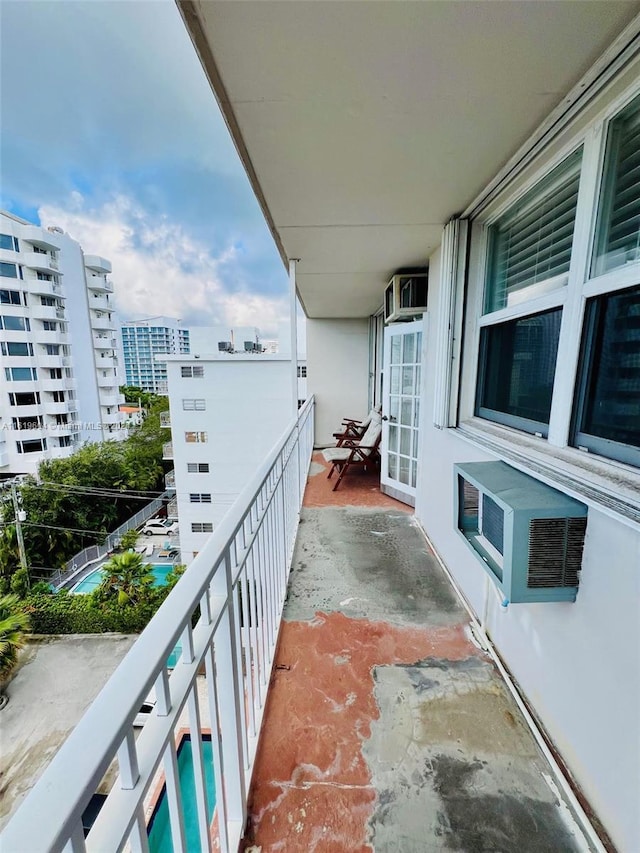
540, 529
405, 296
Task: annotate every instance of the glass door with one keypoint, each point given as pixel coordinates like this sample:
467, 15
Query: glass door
401, 409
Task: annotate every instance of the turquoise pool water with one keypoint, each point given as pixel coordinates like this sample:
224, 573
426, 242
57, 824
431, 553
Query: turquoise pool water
159, 829
92, 581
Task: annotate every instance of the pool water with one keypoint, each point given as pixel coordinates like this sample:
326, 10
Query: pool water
159, 830
93, 580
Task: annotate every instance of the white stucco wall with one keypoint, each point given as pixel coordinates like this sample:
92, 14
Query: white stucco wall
337, 373
248, 407
577, 663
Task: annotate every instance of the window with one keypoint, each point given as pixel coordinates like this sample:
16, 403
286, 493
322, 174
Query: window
34, 446
618, 231
8, 270
201, 527
58, 396
9, 242
20, 374
61, 419
195, 437
12, 348
200, 498
15, 324
194, 405
608, 393
34, 422
530, 246
55, 373
29, 398
302, 371
49, 301
517, 369
52, 349
10, 297
196, 371
197, 467
49, 325
64, 441
44, 276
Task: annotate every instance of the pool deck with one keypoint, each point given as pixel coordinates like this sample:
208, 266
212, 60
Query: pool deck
386, 727
155, 559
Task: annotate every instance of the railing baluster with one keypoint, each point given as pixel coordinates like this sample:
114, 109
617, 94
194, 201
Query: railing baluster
163, 693
174, 798
246, 594
235, 605
198, 771
76, 843
138, 839
128, 762
216, 748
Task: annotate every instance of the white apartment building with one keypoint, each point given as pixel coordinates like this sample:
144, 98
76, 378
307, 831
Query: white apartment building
59, 377
141, 341
226, 414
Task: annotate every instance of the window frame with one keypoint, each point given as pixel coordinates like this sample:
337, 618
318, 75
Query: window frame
582, 285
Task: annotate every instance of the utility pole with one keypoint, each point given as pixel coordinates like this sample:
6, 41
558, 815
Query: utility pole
19, 517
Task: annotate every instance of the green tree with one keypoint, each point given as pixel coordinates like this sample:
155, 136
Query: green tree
127, 579
136, 396
14, 624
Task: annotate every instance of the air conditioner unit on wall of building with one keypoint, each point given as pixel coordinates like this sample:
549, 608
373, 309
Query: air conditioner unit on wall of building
528, 536
405, 296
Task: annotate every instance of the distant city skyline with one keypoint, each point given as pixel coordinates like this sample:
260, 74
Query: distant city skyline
151, 181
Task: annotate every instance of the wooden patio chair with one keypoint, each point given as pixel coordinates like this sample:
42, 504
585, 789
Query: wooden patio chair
353, 430
362, 453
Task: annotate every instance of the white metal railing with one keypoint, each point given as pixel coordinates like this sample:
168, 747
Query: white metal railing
167, 450
226, 612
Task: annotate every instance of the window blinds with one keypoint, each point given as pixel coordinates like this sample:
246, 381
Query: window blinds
619, 227
532, 242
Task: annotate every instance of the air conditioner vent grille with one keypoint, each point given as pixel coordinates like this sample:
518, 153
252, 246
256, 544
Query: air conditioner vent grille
493, 523
555, 551
471, 500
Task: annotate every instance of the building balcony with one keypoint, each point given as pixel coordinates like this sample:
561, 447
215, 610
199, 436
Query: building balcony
49, 361
110, 381
104, 361
39, 261
335, 662
167, 450
39, 237
51, 408
107, 400
170, 480
96, 263
46, 312
44, 288
165, 419
104, 342
100, 303
102, 323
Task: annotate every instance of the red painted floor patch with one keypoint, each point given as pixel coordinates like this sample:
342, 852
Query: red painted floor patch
312, 788
359, 488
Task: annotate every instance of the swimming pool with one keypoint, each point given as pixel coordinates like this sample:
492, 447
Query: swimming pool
92, 581
159, 830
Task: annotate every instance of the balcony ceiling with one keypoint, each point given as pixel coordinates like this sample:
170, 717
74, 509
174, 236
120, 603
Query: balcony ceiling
365, 126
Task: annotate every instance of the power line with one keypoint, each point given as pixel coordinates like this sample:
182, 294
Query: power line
96, 534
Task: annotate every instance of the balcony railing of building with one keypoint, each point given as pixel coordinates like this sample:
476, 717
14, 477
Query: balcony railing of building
167, 450
236, 587
170, 480
165, 419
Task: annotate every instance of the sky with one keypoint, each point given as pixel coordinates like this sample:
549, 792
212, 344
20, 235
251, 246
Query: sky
110, 131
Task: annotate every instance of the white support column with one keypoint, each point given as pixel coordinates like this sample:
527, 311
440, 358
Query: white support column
293, 308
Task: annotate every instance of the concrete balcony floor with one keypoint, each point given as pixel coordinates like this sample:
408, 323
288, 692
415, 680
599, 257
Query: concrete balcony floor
386, 728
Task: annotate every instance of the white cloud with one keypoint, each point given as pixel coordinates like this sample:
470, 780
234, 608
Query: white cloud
159, 269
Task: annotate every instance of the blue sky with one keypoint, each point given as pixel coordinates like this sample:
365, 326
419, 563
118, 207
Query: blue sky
110, 130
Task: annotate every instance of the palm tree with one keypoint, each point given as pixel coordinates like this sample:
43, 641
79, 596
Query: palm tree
126, 577
14, 624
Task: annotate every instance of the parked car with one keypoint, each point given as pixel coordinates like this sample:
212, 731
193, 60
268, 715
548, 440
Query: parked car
157, 527
146, 709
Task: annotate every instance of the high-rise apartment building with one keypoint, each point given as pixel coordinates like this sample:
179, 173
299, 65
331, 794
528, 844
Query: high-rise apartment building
142, 340
59, 376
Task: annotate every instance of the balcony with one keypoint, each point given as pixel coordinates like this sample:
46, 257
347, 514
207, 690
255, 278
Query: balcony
97, 264
100, 303
170, 480
104, 342
40, 261
165, 419
167, 450
44, 288
102, 323
109, 399
104, 361
110, 381
384, 720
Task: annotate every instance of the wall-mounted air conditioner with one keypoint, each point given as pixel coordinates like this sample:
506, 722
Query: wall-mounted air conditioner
225, 346
405, 296
528, 536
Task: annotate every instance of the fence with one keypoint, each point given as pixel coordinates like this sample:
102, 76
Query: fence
94, 552
236, 588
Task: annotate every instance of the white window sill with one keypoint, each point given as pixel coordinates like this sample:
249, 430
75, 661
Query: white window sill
606, 484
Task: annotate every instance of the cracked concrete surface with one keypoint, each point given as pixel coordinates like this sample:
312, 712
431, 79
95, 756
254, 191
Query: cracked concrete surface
388, 730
